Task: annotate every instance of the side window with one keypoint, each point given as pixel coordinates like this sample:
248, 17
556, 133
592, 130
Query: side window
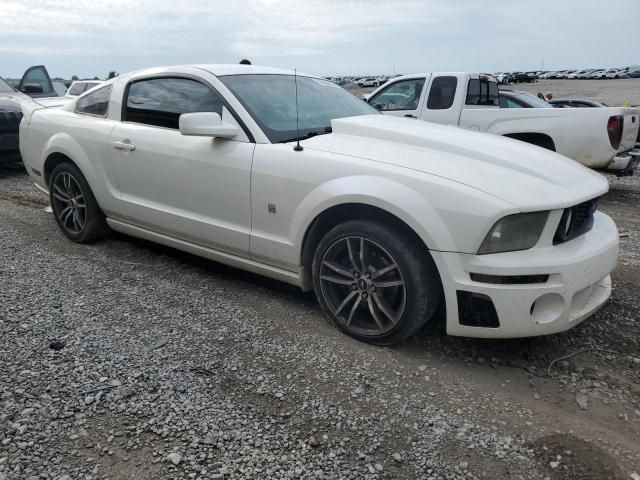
442, 93
482, 92
77, 89
95, 103
161, 101
403, 95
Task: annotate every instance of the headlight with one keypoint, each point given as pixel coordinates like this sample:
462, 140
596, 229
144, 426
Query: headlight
514, 232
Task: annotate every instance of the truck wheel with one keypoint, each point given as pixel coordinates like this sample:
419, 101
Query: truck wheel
74, 206
377, 286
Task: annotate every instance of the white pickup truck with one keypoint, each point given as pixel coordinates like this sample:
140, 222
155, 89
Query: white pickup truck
601, 138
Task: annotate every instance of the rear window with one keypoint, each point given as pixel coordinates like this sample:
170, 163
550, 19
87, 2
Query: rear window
95, 103
482, 92
77, 88
442, 93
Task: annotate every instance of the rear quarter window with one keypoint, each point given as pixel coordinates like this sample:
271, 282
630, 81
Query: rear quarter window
95, 103
482, 92
442, 93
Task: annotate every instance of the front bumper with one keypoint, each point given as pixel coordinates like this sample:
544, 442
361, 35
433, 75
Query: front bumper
577, 286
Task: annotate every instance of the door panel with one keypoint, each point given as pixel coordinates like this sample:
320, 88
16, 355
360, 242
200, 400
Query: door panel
36, 83
193, 188
402, 98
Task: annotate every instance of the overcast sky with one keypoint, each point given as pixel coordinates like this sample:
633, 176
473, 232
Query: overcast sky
91, 37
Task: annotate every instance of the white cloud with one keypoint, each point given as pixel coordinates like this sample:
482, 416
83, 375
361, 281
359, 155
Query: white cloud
306, 27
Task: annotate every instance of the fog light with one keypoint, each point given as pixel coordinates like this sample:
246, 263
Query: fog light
547, 308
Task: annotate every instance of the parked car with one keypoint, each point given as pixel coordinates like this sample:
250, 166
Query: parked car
598, 138
617, 73
634, 72
368, 82
10, 116
520, 99
520, 77
78, 87
384, 218
576, 103
35, 83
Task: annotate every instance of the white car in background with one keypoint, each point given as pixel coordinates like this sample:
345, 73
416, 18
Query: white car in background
78, 87
617, 73
385, 218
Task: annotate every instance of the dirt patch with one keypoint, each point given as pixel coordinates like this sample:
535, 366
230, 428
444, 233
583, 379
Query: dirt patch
569, 458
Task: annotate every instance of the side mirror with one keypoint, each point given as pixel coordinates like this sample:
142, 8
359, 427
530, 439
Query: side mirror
206, 124
32, 89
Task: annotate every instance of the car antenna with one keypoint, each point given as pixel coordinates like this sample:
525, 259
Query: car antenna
298, 147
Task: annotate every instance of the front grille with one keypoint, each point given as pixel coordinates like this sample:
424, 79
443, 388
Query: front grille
575, 221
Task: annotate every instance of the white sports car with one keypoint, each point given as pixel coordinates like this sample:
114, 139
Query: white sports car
385, 218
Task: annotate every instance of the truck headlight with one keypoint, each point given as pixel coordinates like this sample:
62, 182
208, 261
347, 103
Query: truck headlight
514, 232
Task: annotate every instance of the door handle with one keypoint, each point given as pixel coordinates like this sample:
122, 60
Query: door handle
124, 146
408, 115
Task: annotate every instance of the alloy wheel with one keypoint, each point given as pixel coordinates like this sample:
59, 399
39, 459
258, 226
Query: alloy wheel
363, 286
69, 203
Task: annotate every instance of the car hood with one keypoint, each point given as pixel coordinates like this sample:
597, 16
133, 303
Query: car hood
528, 177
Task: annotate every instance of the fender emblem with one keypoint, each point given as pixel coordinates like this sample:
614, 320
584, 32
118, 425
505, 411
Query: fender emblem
272, 208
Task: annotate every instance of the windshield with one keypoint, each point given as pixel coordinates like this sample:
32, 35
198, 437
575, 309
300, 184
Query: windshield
5, 87
271, 101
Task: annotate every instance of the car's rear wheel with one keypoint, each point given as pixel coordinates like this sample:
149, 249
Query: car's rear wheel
376, 285
74, 205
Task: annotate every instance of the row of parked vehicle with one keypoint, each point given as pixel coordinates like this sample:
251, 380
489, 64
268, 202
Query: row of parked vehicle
631, 71
362, 82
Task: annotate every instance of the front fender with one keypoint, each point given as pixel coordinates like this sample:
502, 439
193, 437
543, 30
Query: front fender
399, 200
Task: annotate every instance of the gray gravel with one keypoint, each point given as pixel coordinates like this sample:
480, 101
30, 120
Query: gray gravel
124, 359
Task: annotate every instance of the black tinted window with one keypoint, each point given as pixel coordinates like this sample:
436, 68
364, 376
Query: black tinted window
443, 90
403, 95
161, 101
482, 92
95, 103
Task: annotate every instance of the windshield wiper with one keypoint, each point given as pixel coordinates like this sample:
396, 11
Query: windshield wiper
310, 134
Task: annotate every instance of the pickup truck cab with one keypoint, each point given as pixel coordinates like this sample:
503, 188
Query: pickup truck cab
600, 138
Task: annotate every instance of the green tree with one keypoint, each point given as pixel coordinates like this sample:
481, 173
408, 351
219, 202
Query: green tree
112, 74
74, 78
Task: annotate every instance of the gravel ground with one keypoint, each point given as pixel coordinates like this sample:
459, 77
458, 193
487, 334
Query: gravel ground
127, 360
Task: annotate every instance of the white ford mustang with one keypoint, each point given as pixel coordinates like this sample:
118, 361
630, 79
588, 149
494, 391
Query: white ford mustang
385, 218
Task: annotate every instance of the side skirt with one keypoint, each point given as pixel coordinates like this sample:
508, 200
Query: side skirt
252, 266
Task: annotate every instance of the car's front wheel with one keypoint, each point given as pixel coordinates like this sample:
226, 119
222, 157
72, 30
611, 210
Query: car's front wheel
376, 285
74, 205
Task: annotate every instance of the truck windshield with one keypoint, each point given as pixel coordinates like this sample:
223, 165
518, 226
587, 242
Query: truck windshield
271, 101
5, 87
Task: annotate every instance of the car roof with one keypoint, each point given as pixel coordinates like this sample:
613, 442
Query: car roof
219, 70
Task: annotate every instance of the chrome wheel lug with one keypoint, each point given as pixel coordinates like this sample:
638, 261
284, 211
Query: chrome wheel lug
354, 287
373, 288
367, 275
356, 275
364, 295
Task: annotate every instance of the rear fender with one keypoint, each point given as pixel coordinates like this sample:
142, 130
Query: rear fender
107, 195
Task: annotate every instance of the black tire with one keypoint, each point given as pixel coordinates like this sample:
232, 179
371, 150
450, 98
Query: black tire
74, 206
381, 311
